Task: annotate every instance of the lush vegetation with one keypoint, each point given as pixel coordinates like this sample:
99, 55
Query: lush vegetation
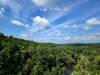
22, 57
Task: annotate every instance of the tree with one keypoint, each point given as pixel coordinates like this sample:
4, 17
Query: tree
2, 35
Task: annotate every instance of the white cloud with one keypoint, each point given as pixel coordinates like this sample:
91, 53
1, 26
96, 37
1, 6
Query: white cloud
1, 14
56, 27
93, 21
45, 3
41, 2
73, 26
2, 11
41, 22
90, 38
58, 34
39, 19
53, 7
18, 23
59, 11
24, 35
13, 5
66, 37
69, 25
86, 27
90, 23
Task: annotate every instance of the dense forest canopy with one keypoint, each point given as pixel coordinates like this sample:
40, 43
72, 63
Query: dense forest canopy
22, 57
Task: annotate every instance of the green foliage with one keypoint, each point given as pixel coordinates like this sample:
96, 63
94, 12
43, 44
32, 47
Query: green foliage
2, 35
22, 57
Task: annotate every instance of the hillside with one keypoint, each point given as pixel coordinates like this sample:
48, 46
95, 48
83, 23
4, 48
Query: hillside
23, 57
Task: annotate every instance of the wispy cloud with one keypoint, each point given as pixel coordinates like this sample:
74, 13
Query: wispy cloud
19, 23
58, 11
87, 25
63, 10
13, 5
2, 11
45, 3
52, 7
56, 27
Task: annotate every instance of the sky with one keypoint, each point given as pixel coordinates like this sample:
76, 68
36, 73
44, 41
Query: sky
51, 21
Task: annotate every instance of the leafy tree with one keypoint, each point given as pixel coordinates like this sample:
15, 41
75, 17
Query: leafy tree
23, 57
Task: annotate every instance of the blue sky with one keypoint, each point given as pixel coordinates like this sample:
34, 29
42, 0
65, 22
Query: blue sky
51, 21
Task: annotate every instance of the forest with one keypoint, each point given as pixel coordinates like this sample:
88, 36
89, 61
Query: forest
23, 57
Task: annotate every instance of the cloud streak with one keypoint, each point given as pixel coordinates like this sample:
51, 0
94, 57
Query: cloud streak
45, 3
2, 11
19, 23
13, 5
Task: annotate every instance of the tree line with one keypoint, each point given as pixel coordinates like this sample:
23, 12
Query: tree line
23, 57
